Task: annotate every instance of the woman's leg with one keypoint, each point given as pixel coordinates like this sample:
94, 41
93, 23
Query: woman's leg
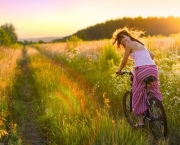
139, 96
140, 119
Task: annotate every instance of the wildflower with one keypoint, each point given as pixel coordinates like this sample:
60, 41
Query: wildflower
106, 101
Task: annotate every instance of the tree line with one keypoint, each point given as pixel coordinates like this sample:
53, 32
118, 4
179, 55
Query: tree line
151, 26
8, 34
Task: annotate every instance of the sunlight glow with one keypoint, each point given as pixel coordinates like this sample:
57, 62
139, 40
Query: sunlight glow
61, 18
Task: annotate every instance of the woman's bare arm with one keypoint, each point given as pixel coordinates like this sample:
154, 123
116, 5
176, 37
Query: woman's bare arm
151, 54
125, 59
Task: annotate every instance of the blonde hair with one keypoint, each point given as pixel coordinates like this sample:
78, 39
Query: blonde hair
133, 33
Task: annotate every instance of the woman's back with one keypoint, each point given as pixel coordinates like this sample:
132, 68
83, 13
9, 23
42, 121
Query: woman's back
135, 46
140, 54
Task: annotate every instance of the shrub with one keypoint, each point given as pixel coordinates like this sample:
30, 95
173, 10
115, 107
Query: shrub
108, 57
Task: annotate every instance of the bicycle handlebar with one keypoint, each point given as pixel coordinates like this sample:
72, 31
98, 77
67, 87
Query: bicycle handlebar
127, 72
130, 73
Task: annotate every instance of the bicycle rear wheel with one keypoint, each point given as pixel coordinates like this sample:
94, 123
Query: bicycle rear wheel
158, 122
127, 107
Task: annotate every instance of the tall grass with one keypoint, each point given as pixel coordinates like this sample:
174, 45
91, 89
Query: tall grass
110, 88
78, 97
8, 59
68, 105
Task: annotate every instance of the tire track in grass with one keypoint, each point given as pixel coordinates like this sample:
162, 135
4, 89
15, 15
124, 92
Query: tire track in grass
48, 76
74, 92
23, 108
80, 88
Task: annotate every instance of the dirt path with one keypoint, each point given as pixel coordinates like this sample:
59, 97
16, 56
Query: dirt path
27, 128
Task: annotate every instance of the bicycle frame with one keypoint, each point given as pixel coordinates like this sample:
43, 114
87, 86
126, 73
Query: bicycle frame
155, 113
148, 82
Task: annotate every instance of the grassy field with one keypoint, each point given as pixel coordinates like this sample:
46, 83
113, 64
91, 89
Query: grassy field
68, 93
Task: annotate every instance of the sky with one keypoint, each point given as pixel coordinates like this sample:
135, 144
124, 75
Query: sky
59, 18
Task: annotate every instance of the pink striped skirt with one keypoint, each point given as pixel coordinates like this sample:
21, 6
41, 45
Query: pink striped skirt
138, 89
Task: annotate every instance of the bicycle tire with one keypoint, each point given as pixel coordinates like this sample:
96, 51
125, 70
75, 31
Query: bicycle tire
158, 122
127, 107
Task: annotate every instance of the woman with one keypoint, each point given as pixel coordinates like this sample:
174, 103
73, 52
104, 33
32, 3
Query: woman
144, 66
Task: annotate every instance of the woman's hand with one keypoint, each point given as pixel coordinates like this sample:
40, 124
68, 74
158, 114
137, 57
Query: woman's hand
119, 72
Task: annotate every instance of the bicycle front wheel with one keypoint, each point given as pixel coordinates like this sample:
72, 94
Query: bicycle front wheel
158, 122
127, 107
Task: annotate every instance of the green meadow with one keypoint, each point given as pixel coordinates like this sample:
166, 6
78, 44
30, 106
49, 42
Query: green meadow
68, 93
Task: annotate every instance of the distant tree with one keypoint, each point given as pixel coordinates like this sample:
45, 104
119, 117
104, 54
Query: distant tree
4, 38
82, 35
27, 42
41, 42
151, 25
8, 34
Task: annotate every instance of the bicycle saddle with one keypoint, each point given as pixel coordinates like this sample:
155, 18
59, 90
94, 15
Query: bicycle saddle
149, 79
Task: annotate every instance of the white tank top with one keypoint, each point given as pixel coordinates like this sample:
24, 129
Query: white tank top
142, 57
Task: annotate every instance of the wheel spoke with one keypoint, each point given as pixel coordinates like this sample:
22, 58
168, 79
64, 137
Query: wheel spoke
158, 123
131, 118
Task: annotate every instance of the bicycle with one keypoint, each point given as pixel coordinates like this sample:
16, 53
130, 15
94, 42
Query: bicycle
155, 114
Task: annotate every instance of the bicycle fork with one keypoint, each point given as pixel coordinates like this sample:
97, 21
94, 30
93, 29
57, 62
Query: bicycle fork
131, 101
147, 114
